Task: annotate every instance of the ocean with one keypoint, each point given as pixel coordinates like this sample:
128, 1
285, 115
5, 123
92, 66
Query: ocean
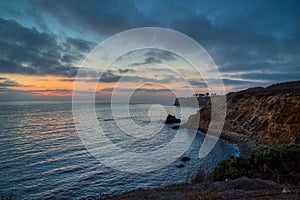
42, 156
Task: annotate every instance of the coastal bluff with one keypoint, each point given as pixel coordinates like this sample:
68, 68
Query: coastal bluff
268, 115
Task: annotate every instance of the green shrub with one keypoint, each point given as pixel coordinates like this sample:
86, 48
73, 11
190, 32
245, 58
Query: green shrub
280, 163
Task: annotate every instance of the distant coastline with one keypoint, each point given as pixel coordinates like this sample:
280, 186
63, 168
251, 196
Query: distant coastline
197, 101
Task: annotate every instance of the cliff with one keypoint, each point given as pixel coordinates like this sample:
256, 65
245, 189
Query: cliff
267, 115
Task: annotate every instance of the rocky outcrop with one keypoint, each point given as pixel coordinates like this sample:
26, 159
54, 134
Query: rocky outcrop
172, 119
268, 115
185, 159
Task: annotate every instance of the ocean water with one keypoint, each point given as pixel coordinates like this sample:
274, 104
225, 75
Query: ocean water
42, 156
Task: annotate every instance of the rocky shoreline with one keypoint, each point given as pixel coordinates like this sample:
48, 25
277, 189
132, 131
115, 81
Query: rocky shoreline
245, 144
254, 117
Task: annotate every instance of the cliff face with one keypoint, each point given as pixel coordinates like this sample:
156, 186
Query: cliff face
268, 115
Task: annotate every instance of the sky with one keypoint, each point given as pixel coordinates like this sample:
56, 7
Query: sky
43, 43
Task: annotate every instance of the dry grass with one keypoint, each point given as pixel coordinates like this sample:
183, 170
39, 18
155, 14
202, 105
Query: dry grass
204, 195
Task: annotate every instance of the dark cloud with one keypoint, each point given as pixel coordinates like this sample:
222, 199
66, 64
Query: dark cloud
150, 60
67, 79
104, 17
270, 77
155, 56
4, 82
112, 76
138, 90
67, 58
11, 67
240, 37
123, 71
152, 90
138, 79
109, 77
81, 45
228, 82
160, 55
27, 51
59, 91
197, 83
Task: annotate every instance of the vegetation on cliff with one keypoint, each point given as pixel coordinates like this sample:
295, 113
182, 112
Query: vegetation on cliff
279, 163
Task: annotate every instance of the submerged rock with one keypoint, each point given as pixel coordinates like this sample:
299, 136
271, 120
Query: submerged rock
176, 127
180, 166
185, 159
171, 119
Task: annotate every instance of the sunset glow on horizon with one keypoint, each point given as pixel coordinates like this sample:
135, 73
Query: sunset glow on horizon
44, 44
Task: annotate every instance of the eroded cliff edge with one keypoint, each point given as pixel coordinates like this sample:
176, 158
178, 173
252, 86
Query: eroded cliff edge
267, 115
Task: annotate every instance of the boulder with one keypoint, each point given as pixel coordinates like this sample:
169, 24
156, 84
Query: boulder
172, 119
185, 159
